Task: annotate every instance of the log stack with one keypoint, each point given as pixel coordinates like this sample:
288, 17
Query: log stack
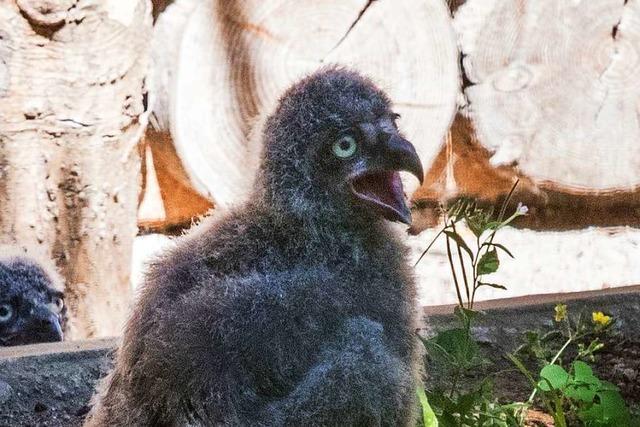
232, 59
72, 111
548, 93
550, 97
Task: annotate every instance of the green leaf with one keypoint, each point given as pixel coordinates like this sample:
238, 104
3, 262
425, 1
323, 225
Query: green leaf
476, 226
523, 369
458, 346
467, 402
611, 411
465, 315
584, 393
439, 354
498, 245
582, 373
428, 416
492, 285
493, 225
607, 386
459, 241
553, 377
488, 263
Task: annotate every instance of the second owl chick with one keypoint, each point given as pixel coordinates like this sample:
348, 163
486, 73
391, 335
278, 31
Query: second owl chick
32, 308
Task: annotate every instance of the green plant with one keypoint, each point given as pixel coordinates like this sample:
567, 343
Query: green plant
483, 259
454, 353
569, 390
428, 416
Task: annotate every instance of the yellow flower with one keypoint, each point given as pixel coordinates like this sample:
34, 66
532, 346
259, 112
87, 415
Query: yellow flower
561, 312
600, 318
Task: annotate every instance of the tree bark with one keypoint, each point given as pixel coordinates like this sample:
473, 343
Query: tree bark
72, 110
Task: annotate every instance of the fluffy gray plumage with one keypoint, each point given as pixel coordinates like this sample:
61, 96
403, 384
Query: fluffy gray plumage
296, 308
31, 299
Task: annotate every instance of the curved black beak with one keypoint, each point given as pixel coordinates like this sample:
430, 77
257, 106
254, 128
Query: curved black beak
402, 156
43, 327
379, 184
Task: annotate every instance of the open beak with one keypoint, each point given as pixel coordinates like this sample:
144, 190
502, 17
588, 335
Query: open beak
380, 186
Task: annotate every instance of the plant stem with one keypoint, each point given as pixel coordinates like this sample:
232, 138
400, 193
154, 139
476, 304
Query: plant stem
453, 272
558, 415
429, 247
555, 358
454, 384
475, 273
503, 209
464, 272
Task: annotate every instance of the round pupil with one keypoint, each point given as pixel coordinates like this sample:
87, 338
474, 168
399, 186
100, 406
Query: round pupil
345, 147
345, 144
4, 311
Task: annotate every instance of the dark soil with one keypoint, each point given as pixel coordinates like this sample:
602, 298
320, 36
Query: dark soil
500, 332
619, 363
51, 389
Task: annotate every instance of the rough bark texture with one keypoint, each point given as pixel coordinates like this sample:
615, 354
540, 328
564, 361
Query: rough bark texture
553, 88
72, 110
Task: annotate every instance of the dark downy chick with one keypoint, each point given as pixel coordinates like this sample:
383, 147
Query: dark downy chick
296, 308
31, 299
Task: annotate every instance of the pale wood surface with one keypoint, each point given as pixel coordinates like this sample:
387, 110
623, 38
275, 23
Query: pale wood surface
236, 57
71, 115
554, 88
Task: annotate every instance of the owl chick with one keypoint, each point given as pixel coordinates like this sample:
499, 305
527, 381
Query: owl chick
32, 308
296, 308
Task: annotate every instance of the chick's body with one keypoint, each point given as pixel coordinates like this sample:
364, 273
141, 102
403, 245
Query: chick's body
285, 311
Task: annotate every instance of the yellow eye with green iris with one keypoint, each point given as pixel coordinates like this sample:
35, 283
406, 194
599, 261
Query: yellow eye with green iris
345, 147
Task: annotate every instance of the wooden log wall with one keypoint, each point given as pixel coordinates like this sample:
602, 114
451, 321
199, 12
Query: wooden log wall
233, 59
72, 111
545, 92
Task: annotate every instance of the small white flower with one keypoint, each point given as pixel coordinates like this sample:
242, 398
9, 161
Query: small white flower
522, 209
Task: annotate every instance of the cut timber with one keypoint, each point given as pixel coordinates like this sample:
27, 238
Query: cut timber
463, 169
180, 204
151, 209
170, 199
72, 110
237, 57
555, 89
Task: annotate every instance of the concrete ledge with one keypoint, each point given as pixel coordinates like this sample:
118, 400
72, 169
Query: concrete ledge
58, 348
509, 318
539, 299
51, 384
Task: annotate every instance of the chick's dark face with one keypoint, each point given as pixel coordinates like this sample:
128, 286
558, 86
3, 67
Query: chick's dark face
30, 311
332, 151
363, 162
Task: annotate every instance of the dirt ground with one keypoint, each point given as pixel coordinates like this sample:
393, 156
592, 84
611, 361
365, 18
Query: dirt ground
619, 363
50, 384
500, 332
